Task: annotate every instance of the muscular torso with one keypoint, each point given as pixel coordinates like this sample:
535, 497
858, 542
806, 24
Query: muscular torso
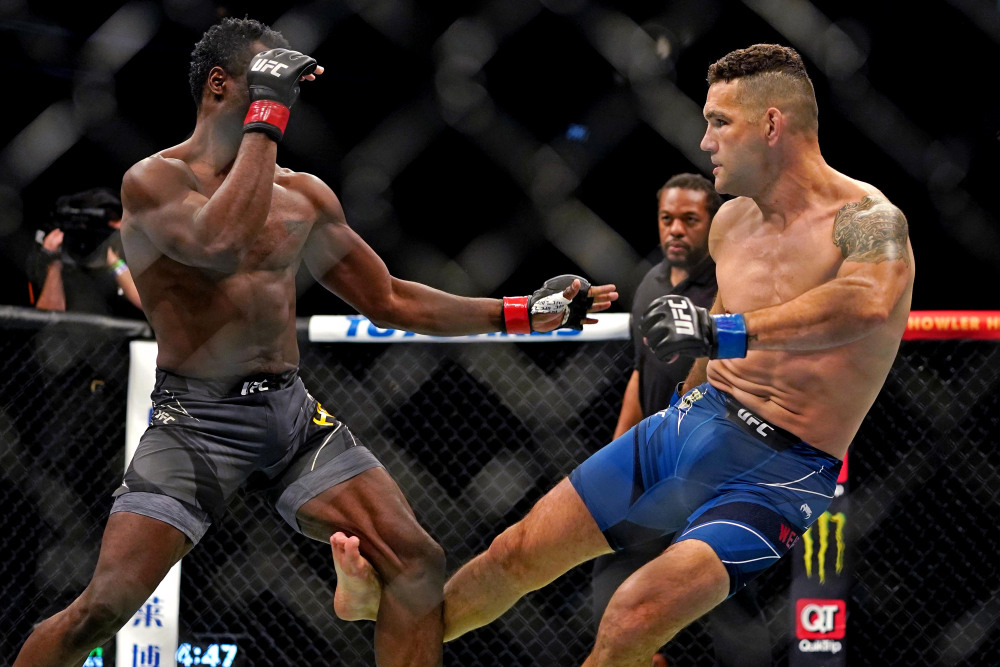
820, 395
233, 323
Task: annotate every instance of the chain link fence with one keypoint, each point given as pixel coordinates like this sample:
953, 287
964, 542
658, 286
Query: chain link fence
474, 434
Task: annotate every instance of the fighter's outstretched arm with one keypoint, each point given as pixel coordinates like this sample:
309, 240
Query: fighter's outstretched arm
869, 287
347, 266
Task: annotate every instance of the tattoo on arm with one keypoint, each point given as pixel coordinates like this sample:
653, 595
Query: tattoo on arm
871, 230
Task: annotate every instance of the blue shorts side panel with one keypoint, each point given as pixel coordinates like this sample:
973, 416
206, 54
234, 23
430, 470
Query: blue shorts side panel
747, 537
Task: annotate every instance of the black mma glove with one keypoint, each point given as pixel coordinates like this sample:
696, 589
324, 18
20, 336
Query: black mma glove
273, 79
672, 325
517, 310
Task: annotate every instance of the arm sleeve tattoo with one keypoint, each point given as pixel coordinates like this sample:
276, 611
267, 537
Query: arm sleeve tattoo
871, 230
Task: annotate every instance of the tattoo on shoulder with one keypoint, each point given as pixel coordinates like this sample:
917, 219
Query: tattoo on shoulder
871, 230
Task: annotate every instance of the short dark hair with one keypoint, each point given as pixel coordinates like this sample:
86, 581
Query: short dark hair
771, 74
697, 182
229, 44
757, 59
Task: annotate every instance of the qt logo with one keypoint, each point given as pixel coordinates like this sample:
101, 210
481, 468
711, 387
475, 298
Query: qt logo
820, 619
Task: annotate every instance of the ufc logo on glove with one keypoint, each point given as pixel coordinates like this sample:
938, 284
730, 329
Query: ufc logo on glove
683, 322
674, 325
264, 65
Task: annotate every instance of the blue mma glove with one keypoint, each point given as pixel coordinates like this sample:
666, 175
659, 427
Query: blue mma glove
674, 325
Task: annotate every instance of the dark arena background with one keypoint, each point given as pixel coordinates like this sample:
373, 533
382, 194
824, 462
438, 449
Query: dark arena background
482, 147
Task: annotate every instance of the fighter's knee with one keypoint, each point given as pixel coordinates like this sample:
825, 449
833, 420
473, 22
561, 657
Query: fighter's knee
507, 551
417, 557
625, 630
93, 622
429, 556
414, 573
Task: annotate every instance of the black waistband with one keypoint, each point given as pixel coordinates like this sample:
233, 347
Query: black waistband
226, 387
771, 435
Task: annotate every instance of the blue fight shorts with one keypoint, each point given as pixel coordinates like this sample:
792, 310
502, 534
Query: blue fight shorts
711, 470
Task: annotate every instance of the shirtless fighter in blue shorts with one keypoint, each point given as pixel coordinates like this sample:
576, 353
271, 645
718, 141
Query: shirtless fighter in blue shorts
815, 276
215, 232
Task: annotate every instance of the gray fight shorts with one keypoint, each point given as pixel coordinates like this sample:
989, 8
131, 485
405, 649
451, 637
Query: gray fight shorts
209, 438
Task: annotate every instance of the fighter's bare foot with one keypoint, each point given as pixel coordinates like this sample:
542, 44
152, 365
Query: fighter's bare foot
358, 586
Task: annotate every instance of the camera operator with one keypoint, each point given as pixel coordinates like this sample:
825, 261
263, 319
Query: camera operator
80, 262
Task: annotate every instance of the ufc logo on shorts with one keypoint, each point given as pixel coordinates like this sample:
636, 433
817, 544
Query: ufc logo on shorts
264, 65
163, 417
820, 619
753, 420
253, 387
683, 323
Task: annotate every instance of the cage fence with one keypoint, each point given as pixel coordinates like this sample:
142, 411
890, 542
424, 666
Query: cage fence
474, 433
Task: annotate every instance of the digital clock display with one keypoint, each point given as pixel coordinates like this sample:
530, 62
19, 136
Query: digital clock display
212, 655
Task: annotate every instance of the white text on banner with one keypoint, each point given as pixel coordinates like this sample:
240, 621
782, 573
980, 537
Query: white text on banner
359, 329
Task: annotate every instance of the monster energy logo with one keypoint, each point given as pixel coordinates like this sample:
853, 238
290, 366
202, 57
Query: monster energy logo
822, 527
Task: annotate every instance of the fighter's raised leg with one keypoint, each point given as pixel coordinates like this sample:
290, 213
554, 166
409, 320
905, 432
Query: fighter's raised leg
409, 563
555, 536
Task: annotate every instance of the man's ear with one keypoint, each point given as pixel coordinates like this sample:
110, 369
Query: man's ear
775, 124
217, 79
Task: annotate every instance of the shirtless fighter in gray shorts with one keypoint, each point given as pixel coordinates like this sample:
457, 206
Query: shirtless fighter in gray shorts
215, 232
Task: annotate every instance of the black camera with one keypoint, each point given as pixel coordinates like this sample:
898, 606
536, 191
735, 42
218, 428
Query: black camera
83, 218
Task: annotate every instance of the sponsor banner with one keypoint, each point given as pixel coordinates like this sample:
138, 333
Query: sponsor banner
821, 586
359, 329
149, 639
953, 324
820, 628
921, 325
